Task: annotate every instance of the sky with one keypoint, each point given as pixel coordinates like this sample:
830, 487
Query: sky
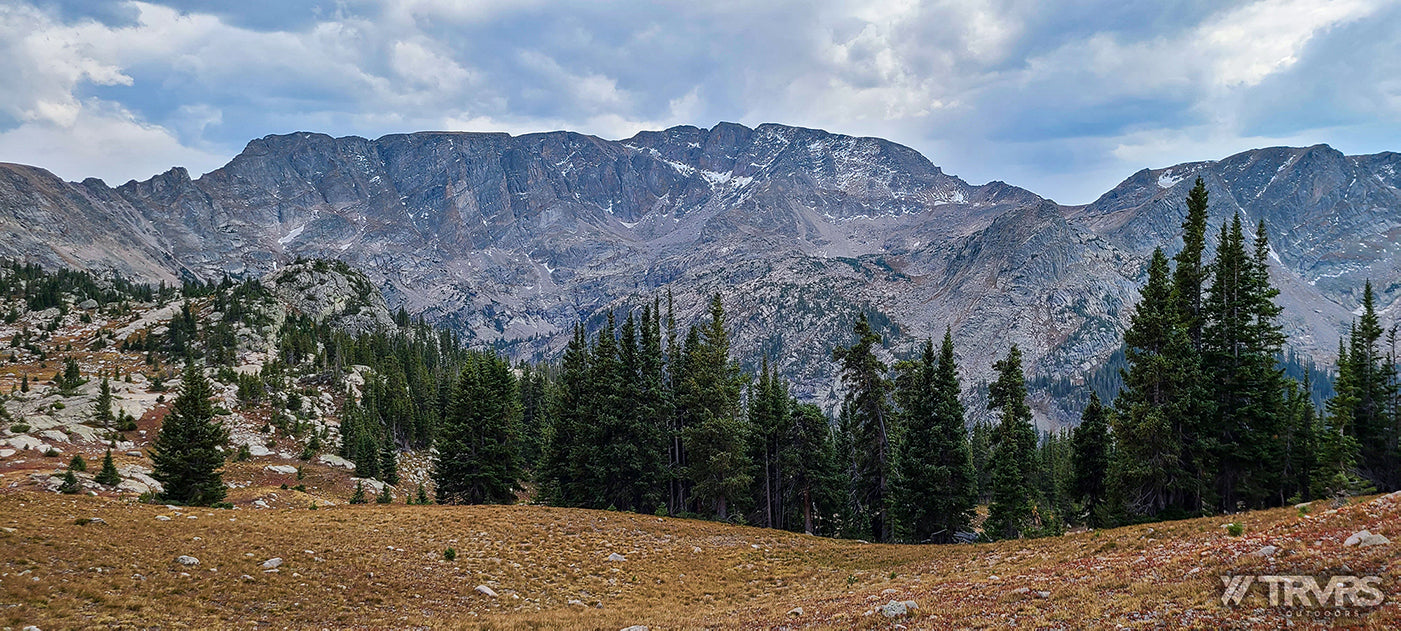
1065, 98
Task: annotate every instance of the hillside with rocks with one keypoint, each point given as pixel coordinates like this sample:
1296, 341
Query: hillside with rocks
510, 241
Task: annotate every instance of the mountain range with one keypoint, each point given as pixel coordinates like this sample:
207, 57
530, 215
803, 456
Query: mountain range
511, 240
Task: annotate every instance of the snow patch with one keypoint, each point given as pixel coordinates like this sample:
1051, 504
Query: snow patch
294, 233
1168, 180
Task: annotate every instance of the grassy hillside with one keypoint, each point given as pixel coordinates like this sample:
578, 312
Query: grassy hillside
384, 567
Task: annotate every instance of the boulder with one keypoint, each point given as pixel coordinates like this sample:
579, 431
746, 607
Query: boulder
258, 451
486, 591
636, 627
6, 453
615, 557
335, 461
795, 612
1373, 540
285, 469
1356, 538
272, 563
54, 435
1267, 551
88, 305
893, 609
186, 559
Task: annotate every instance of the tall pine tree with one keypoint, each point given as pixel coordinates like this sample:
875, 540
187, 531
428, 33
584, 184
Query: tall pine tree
935, 489
477, 461
1012, 512
716, 437
186, 454
869, 427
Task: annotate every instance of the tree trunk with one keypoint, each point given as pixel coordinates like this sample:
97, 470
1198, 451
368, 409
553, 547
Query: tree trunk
807, 510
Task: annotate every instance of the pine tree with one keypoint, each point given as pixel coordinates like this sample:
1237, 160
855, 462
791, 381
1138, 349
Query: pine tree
358, 497
1153, 408
1372, 381
421, 498
77, 463
768, 420
1241, 342
716, 439
563, 477
808, 459
385, 496
108, 476
69, 486
1012, 512
867, 402
1189, 273
102, 408
1092, 449
935, 489
477, 461
389, 461
186, 454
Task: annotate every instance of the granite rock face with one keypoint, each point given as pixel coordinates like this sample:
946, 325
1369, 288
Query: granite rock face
512, 240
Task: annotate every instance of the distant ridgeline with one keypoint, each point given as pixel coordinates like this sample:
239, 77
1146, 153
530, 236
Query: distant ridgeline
1201, 412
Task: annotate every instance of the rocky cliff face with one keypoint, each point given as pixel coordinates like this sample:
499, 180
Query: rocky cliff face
512, 240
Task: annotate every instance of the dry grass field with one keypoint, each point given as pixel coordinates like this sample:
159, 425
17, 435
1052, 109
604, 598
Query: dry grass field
383, 567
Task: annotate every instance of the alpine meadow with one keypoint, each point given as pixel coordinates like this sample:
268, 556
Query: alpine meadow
575, 362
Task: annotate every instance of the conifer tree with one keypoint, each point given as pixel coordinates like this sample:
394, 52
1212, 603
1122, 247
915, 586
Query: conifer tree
69, 485
1241, 342
358, 497
108, 475
186, 453
477, 462
77, 463
1372, 384
935, 487
1013, 509
768, 420
1092, 449
867, 405
1189, 273
1152, 409
102, 408
808, 460
385, 496
563, 476
716, 439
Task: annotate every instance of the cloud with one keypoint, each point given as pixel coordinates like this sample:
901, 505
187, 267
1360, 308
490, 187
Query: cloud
1064, 98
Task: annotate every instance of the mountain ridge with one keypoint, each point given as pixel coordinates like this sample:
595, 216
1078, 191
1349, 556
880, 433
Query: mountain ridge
512, 239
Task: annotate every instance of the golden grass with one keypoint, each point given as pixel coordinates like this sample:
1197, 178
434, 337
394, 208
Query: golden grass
383, 567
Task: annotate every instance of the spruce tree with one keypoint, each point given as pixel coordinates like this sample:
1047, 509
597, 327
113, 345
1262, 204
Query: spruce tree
1152, 411
77, 463
1241, 343
1189, 273
102, 408
1372, 382
563, 477
808, 459
1012, 512
477, 461
185, 454
1092, 449
768, 420
108, 475
69, 485
935, 489
358, 496
716, 438
867, 403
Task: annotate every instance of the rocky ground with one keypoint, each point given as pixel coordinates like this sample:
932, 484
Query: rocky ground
82, 561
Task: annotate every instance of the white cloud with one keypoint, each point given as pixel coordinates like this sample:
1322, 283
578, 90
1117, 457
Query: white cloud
104, 142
